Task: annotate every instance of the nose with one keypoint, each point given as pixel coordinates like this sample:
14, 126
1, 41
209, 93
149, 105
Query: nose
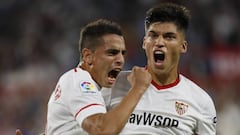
120, 59
159, 41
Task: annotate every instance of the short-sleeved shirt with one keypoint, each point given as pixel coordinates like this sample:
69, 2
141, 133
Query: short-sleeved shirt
75, 97
180, 108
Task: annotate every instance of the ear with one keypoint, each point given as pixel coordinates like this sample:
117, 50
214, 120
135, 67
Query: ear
184, 47
87, 55
143, 45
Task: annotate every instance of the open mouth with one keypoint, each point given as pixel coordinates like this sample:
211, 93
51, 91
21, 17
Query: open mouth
159, 56
114, 73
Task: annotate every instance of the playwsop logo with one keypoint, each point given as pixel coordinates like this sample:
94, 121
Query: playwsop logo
88, 87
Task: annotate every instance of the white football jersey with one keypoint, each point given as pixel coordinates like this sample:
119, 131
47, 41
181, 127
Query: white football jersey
180, 108
75, 97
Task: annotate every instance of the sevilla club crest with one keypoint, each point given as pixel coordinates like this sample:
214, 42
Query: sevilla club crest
181, 107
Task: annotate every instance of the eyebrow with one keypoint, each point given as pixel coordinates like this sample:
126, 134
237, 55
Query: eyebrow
169, 33
116, 51
154, 32
166, 33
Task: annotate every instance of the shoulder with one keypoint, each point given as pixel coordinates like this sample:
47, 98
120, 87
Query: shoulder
192, 86
70, 81
75, 82
203, 100
74, 75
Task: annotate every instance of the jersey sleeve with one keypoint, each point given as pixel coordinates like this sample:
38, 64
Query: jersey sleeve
207, 125
84, 98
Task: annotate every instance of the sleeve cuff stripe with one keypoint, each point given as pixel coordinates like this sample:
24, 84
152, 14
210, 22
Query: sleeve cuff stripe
86, 107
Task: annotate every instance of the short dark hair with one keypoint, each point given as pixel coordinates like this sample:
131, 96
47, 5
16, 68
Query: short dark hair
92, 32
168, 12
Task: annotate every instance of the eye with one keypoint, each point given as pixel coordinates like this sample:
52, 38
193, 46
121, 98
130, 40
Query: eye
124, 52
153, 34
112, 52
170, 36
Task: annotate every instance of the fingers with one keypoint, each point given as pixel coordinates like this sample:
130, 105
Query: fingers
18, 132
139, 76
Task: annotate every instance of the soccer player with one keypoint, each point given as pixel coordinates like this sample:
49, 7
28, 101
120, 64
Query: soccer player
77, 106
172, 104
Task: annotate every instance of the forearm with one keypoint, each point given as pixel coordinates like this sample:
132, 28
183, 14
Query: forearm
113, 121
121, 113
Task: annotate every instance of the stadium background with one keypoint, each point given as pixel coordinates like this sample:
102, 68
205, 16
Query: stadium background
39, 42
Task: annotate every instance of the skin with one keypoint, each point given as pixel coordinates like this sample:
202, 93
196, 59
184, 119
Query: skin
112, 122
18, 132
109, 55
167, 38
106, 57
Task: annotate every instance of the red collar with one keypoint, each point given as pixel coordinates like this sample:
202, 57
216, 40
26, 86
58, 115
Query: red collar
166, 86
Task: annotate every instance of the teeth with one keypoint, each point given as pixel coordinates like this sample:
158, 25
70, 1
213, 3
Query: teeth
118, 70
158, 52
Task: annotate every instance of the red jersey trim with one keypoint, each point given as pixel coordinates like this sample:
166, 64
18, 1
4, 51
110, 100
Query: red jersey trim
75, 69
85, 108
166, 86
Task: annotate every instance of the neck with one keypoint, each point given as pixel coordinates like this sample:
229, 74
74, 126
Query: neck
84, 66
87, 67
163, 77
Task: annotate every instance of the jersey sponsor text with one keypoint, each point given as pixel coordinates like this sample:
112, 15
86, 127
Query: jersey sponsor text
152, 120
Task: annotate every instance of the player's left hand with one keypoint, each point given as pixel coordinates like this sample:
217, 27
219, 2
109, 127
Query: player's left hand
18, 132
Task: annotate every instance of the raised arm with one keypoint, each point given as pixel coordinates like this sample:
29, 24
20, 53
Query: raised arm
112, 122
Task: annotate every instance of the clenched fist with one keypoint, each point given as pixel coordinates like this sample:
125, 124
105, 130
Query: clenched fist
140, 78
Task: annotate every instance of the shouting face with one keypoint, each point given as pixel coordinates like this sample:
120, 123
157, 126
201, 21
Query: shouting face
163, 44
107, 60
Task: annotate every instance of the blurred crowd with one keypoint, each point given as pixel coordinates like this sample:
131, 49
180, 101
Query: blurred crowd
39, 42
